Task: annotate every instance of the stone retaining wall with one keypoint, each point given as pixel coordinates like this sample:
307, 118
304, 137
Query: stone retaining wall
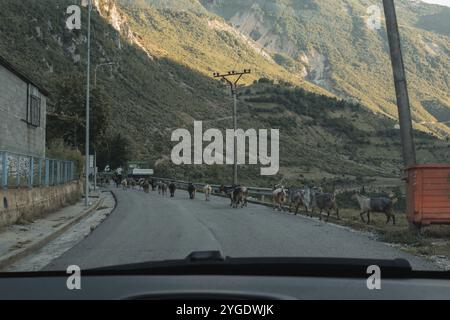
25, 204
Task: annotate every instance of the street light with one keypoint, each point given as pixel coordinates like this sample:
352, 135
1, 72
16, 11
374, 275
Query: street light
95, 86
86, 194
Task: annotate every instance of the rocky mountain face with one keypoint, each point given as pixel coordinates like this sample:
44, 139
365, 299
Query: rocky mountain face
331, 45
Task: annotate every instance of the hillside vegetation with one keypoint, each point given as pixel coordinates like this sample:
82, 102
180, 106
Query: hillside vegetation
162, 80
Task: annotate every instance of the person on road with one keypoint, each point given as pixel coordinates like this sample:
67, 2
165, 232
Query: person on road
191, 190
146, 186
153, 184
172, 189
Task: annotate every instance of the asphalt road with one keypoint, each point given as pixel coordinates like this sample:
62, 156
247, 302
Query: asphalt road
148, 227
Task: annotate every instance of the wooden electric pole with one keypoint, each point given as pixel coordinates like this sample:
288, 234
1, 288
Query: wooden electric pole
233, 85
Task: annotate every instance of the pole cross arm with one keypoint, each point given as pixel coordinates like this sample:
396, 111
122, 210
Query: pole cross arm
225, 76
231, 74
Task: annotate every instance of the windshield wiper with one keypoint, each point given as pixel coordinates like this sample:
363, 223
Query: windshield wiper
214, 263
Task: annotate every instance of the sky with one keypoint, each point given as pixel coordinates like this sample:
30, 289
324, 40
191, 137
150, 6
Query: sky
441, 2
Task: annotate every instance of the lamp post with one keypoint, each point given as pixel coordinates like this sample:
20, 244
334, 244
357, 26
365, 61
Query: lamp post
86, 194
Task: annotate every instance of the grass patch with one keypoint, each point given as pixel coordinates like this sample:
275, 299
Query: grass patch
401, 236
433, 240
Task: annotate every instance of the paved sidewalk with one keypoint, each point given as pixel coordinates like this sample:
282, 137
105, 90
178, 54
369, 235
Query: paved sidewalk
18, 241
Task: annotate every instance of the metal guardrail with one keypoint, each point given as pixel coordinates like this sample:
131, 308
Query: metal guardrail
257, 191
252, 190
19, 170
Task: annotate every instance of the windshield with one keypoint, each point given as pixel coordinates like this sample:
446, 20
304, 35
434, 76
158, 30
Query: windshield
262, 128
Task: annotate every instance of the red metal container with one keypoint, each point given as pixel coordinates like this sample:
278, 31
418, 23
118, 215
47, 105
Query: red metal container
428, 194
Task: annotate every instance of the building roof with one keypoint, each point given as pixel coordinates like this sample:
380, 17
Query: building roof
21, 75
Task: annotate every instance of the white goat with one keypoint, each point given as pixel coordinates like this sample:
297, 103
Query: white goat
279, 198
207, 190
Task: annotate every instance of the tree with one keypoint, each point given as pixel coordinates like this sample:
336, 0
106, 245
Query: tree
113, 151
67, 115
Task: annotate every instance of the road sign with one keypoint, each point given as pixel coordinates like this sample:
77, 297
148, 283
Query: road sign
143, 172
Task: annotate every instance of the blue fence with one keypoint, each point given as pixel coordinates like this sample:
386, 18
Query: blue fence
18, 170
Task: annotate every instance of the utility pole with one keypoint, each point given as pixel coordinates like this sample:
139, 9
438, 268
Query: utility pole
401, 88
95, 170
86, 194
233, 86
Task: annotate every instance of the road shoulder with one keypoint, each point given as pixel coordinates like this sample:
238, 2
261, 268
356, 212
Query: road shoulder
23, 247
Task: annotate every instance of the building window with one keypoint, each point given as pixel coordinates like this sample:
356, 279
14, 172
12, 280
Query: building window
35, 111
34, 107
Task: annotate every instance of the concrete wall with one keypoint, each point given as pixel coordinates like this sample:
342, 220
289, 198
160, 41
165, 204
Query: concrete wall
25, 204
15, 134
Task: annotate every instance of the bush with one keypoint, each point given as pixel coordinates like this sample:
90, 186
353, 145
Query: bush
56, 149
266, 81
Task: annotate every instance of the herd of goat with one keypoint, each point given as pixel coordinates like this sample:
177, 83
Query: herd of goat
308, 199
311, 199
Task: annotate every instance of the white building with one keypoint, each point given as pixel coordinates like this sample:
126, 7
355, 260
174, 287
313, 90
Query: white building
22, 113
